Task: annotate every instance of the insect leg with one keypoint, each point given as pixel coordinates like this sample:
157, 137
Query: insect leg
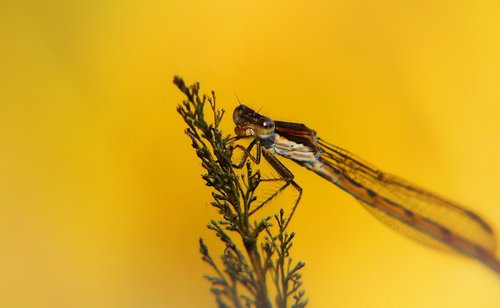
286, 176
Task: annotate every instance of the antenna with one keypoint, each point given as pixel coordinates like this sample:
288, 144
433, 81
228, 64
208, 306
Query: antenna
237, 98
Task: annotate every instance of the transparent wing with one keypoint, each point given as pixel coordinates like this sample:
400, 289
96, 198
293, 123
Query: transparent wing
430, 206
406, 229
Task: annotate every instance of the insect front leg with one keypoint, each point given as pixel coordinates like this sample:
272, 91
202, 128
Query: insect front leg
247, 154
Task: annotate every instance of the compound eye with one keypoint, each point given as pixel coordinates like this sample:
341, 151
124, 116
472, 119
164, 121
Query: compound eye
268, 124
238, 112
265, 128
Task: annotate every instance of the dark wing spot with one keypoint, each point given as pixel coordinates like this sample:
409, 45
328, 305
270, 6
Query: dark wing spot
371, 193
409, 213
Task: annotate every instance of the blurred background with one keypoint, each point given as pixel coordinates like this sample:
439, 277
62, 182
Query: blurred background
101, 200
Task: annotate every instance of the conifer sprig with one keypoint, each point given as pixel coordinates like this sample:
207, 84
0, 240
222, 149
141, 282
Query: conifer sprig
241, 279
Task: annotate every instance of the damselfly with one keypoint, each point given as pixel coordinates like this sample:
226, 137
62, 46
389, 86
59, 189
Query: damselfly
413, 211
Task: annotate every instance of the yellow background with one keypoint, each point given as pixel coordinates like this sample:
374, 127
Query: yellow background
101, 200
